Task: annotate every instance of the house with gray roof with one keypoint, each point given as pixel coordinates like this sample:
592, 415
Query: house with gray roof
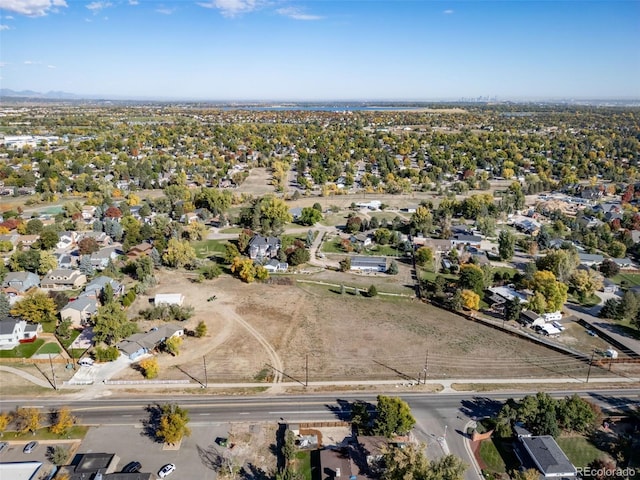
80, 310
264, 247
140, 344
100, 259
590, 259
20, 282
548, 457
96, 286
365, 263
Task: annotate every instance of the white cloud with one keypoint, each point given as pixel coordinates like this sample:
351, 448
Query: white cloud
133, 2
233, 8
51, 66
32, 8
31, 62
448, 12
4, 27
95, 7
296, 14
165, 10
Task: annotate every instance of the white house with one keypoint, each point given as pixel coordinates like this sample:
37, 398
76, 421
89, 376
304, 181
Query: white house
14, 331
368, 264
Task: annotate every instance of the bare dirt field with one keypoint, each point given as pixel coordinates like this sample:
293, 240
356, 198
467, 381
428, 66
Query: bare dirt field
342, 336
257, 183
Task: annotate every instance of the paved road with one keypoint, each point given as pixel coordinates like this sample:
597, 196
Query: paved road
437, 415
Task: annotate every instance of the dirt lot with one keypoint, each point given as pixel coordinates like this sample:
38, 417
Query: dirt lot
344, 336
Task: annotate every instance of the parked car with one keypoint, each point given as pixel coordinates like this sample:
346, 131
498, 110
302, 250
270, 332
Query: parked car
132, 467
30, 447
558, 325
3, 446
167, 470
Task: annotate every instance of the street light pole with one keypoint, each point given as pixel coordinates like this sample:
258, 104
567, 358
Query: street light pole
204, 360
306, 368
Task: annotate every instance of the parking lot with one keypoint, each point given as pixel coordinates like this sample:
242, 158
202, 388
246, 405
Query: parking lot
14, 453
130, 443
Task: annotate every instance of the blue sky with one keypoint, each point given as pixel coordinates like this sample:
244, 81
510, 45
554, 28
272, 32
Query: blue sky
322, 50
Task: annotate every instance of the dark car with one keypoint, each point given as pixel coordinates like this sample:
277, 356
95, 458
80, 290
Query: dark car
132, 467
30, 447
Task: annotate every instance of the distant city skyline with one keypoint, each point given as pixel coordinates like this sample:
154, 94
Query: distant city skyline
285, 50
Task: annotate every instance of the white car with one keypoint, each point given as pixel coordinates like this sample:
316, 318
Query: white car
167, 470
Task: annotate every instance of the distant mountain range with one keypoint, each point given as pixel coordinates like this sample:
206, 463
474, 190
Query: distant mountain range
7, 92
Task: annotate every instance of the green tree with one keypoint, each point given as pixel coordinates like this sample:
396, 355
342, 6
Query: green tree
506, 245
47, 262
609, 268
299, 256
424, 255
471, 278
512, 309
353, 225
48, 239
230, 252
35, 307
372, 291
617, 249
422, 220
173, 424
178, 254
578, 415
393, 417
448, 467
553, 291
58, 455
585, 283
393, 268
561, 262
309, 216
110, 324
5, 305
345, 264
360, 417
629, 306
201, 329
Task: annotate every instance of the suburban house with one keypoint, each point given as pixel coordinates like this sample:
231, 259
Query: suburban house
168, 299
462, 239
99, 466
67, 240
14, 331
437, 245
64, 279
373, 448
140, 344
26, 241
337, 464
590, 259
546, 455
296, 213
531, 318
95, 287
264, 247
101, 238
100, 259
18, 283
140, 250
365, 263
80, 310
623, 263
503, 294
361, 239
274, 266
65, 260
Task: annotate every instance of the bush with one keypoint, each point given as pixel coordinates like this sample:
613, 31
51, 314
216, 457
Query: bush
106, 354
372, 291
150, 368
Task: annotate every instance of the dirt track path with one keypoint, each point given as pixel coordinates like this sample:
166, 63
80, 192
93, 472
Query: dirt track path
276, 363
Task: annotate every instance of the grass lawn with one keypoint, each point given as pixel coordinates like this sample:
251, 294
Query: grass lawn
333, 246
52, 348
430, 276
207, 248
579, 450
49, 327
627, 279
68, 341
503, 270
24, 350
491, 457
231, 230
77, 431
302, 464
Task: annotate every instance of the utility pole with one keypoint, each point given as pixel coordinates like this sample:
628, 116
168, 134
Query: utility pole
590, 363
53, 373
426, 367
206, 382
306, 368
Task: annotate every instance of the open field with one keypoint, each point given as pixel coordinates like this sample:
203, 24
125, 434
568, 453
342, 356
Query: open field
343, 336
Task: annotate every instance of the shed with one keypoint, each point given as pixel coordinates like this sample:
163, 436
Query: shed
548, 457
